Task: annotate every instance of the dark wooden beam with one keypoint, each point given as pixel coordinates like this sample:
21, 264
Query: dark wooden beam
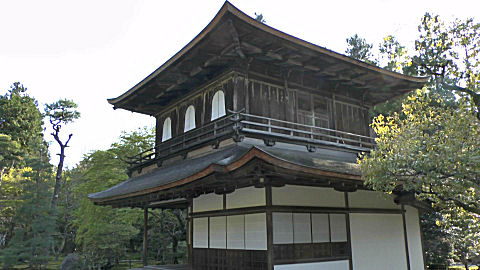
251, 48
236, 40
145, 236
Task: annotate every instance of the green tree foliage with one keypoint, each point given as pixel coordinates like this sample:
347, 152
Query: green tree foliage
169, 230
360, 49
32, 239
463, 229
432, 150
104, 233
21, 119
436, 240
23, 162
9, 154
394, 55
60, 113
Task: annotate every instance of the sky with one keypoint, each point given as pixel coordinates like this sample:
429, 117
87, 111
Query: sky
91, 50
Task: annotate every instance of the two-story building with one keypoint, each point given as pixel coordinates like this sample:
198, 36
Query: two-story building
258, 134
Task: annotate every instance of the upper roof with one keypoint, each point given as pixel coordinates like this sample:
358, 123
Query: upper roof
232, 36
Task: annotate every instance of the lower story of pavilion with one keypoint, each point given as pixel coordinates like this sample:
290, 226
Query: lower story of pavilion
283, 210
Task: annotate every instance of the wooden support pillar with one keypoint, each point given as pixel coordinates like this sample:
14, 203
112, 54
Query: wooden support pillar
349, 233
145, 236
270, 255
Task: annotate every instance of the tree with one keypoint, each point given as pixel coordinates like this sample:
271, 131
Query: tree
431, 150
9, 153
32, 239
103, 233
359, 49
394, 55
436, 240
60, 113
463, 230
21, 119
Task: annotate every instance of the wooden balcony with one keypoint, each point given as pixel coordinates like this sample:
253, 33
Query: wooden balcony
237, 125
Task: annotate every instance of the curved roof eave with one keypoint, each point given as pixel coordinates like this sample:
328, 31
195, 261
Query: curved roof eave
228, 7
233, 162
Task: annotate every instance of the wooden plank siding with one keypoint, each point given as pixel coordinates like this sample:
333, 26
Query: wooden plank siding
267, 97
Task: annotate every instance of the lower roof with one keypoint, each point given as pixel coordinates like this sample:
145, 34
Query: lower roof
323, 163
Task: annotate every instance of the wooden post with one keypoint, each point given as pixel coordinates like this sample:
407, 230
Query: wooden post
270, 255
145, 235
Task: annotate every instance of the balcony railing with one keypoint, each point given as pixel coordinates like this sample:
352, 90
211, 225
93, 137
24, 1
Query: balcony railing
239, 124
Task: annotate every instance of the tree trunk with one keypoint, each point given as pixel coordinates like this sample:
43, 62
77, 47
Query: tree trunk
58, 176
174, 250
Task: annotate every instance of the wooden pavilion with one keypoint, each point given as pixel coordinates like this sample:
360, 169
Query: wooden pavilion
258, 133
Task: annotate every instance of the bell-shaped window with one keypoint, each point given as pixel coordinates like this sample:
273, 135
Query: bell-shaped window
189, 118
167, 129
218, 105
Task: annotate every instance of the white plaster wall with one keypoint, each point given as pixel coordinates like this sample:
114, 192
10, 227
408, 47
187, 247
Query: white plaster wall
256, 231
414, 238
371, 199
218, 232
307, 196
208, 202
200, 232
246, 197
335, 265
377, 242
236, 232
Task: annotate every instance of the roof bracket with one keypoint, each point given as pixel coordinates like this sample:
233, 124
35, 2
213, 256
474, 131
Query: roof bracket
311, 148
236, 39
269, 142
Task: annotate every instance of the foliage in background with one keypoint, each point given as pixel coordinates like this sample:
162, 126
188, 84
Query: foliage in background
432, 146
103, 233
360, 49
35, 223
21, 119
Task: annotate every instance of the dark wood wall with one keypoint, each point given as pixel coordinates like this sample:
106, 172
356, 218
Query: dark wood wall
268, 97
202, 102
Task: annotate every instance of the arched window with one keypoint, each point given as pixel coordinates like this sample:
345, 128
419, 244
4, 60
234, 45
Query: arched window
167, 129
218, 105
189, 118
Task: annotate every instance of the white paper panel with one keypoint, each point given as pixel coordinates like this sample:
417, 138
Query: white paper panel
200, 232
236, 232
301, 228
282, 228
320, 228
307, 196
335, 265
208, 202
414, 238
189, 119
371, 199
338, 227
218, 232
167, 129
377, 242
218, 105
256, 231
246, 197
